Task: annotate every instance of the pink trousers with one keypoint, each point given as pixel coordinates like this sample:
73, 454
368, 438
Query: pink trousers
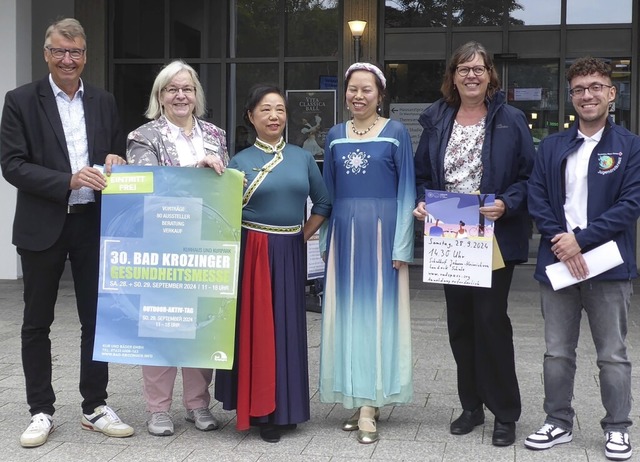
159, 382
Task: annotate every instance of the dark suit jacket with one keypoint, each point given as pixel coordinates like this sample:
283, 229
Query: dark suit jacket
34, 156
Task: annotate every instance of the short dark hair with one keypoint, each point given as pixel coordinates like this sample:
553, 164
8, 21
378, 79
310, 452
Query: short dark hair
256, 93
587, 66
463, 54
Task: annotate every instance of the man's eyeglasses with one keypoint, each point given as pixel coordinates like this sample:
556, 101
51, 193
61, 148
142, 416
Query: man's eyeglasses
58, 53
185, 90
463, 71
594, 89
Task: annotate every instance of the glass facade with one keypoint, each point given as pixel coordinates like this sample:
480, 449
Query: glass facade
233, 45
298, 45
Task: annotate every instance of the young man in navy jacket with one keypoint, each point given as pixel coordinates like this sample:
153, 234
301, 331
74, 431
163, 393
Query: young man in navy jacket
585, 191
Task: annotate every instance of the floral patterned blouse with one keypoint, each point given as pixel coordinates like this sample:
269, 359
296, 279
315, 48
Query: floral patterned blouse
154, 144
463, 158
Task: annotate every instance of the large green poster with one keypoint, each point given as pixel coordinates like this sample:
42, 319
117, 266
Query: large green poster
169, 260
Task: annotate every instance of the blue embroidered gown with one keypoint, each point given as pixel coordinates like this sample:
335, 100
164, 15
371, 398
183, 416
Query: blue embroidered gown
366, 326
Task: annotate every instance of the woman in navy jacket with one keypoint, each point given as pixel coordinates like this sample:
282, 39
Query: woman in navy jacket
473, 141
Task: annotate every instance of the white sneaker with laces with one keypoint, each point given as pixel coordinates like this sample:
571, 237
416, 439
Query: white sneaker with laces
547, 437
105, 420
38, 431
203, 419
617, 445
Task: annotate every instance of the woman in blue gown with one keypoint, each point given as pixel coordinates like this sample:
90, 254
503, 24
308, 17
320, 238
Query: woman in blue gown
366, 327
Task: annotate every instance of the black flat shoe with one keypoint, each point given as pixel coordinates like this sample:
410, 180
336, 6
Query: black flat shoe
270, 433
504, 433
467, 421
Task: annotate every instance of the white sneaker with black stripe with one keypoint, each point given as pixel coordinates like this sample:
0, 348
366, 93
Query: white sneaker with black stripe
547, 437
105, 420
617, 445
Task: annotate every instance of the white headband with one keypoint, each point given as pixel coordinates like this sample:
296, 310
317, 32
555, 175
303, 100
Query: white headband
367, 67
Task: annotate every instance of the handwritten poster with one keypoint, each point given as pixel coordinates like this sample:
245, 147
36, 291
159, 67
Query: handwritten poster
458, 240
169, 256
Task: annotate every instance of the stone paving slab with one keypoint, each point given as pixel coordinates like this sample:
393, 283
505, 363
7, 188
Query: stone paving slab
414, 432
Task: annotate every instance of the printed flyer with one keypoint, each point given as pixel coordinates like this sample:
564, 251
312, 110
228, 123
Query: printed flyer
169, 257
458, 239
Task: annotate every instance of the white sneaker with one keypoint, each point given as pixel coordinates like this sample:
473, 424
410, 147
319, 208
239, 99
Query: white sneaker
38, 431
547, 437
617, 446
160, 424
105, 420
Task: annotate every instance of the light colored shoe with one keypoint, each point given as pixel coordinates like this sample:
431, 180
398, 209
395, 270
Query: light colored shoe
351, 424
367, 436
38, 431
106, 421
160, 424
202, 418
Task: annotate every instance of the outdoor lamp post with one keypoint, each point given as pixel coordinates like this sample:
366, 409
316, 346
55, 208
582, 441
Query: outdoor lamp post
357, 29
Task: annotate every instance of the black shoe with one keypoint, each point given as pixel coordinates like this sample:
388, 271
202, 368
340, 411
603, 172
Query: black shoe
288, 427
504, 433
270, 433
467, 421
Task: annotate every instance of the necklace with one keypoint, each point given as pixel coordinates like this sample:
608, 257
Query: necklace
365, 131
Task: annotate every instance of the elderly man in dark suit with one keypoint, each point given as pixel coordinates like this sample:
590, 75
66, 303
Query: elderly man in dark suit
53, 132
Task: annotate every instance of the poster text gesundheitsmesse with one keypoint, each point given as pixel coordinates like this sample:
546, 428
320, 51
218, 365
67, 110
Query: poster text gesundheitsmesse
169, 257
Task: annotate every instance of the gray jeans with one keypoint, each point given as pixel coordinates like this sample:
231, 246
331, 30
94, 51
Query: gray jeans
606, 304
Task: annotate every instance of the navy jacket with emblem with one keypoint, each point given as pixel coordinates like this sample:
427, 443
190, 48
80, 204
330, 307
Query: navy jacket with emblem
507, 159
613, 202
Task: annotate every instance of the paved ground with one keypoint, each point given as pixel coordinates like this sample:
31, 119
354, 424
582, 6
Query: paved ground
417, 432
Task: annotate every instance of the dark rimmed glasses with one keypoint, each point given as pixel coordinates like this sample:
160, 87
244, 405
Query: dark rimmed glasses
463, 71
594, 89
74, 53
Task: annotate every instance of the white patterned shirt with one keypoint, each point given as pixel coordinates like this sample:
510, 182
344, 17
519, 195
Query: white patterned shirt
463, 158
75, 133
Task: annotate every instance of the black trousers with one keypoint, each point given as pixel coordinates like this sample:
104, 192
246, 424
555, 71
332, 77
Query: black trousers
481, 340
42, 270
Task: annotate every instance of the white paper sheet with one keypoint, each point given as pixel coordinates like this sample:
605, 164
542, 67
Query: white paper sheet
598, 260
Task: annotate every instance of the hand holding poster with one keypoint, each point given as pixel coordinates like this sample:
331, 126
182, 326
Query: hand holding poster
458, 239
169, 255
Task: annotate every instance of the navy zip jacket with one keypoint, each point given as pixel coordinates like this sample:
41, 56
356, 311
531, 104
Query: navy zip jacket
613, 202
507, 159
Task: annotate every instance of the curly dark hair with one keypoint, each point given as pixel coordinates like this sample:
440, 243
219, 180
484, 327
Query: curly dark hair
587, 66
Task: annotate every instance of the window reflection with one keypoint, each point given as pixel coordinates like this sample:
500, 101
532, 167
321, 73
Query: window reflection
258, 33
486, 13
139, 29
414, 81
532, 87
415, 13
535, 13
313, 28
599, 11
132, 87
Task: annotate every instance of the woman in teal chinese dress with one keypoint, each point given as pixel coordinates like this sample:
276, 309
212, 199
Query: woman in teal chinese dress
269, 384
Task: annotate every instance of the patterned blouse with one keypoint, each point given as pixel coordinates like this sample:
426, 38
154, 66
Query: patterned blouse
463, 158
154, 144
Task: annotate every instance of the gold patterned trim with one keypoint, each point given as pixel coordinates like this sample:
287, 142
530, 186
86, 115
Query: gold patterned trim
272, 229
266, 168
